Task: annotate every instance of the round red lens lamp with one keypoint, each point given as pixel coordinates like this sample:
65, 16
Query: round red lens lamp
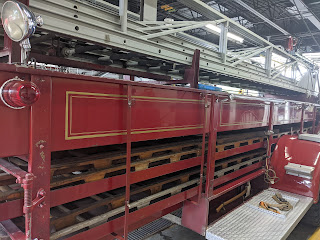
17, 93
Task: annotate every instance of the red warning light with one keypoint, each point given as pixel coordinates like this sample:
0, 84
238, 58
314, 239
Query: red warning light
17, 93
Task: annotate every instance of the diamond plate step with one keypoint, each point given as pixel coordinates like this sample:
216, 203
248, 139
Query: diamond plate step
248, 223
150, 229
153, 227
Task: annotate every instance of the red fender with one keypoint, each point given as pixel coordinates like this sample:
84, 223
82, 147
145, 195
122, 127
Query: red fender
290, 149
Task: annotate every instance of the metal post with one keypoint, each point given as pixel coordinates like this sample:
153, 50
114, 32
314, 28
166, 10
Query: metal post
27, 204
141, 10
293, 71
268, 61
213, 130
123, 13
149, 10
314, 119
270, 132
40, 159
223, 41
270, 124
302, 118
25, 49
128, 162
203, 149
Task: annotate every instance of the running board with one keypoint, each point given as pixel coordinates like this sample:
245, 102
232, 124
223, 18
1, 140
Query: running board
253, 223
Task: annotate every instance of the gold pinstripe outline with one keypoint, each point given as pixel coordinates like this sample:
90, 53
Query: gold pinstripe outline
134, 132
135, 97
121, 132
137, 129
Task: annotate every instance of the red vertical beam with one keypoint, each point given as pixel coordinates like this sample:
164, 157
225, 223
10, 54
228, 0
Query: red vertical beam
205, 105
195, 67
128, 162
195, 216
40, 157
191, 74
213, 130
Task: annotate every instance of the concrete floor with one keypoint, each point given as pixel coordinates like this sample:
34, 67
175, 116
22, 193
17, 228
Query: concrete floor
302, 232
176, 232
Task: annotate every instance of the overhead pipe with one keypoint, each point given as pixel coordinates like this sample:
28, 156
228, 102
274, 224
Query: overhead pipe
68, 52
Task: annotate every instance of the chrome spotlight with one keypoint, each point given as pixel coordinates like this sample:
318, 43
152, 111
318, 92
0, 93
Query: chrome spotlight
18, 20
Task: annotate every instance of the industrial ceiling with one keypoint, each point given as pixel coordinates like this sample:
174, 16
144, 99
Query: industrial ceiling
296, 18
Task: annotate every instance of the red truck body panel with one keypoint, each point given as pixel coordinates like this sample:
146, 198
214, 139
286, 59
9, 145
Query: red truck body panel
89, 111
290, 149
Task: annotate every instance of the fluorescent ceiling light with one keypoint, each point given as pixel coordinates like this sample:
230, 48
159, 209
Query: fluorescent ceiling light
235, 37
214, 28
229, 34
311, 55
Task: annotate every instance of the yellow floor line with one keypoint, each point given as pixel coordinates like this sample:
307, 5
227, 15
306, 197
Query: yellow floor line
315, 235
